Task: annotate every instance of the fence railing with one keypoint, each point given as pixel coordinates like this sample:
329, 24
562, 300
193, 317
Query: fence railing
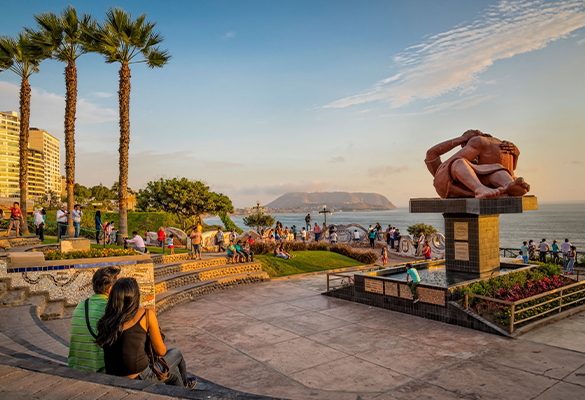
345, 279
559, 295
506, 252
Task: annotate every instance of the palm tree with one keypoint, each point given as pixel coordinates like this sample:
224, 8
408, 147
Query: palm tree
121, 39
19, 56
62, 37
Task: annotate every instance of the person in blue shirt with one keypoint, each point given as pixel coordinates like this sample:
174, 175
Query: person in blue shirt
524, 249
412, 280
98, 225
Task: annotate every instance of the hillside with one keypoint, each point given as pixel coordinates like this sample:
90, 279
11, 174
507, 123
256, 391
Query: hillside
302, 201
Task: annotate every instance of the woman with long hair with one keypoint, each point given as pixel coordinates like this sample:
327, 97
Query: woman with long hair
123, 332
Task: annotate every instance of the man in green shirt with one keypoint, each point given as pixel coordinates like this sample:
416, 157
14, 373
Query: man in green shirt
84, 353
412, 273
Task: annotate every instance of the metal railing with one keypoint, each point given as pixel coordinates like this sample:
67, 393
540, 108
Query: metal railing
506, 252
559, 295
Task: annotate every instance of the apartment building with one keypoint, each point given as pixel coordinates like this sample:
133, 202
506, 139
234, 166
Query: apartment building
44, 159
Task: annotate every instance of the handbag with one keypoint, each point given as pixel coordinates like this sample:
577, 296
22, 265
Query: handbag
153, 357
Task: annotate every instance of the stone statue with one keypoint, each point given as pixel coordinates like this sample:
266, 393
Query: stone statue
483, 168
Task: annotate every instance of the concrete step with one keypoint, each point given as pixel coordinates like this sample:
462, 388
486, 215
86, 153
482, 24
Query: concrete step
12, 298
188, 277
188, 265
182, 294
53, 310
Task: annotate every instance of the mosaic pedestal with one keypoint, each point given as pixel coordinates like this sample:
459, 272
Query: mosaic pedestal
472, 235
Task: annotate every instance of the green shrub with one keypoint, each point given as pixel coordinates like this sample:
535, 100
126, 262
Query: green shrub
366, 257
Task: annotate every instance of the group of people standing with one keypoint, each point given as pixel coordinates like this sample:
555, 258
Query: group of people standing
566, 249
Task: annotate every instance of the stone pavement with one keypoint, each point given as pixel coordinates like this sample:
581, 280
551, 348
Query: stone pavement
284, 339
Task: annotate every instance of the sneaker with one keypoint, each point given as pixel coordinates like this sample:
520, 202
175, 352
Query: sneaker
191, 382
416, 301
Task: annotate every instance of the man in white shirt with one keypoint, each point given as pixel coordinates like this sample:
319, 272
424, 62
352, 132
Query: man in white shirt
543, 248
62, 220
76, 216
356, 235
565, 248
137, 242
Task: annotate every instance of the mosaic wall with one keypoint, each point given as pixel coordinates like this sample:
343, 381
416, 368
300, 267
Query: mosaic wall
401, 290
71, 281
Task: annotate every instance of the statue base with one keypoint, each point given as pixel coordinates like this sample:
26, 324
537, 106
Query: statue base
472, 233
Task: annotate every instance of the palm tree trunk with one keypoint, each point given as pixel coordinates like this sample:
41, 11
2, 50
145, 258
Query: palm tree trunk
23, 147
70, 109
124, 104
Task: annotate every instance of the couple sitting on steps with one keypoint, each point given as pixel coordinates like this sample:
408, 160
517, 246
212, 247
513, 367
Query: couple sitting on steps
112, 334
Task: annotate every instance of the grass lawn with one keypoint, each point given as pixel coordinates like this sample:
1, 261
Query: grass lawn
304, 262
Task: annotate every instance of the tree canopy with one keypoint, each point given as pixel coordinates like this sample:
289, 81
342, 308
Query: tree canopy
259, 221
415, 229
183, 198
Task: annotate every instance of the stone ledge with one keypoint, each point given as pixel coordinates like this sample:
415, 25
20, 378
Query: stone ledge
503, 205
124, 383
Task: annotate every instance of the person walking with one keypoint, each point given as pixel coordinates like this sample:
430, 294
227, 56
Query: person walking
39, 224
317, 232
15, 218
76, 215
555, 252
196, 243
372, 237
524, 250
565, 248
543, 248
571, 255
62, 220
98, 225
219, 240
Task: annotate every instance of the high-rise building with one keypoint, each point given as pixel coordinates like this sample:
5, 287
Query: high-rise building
43, 159
9, 155
49, 146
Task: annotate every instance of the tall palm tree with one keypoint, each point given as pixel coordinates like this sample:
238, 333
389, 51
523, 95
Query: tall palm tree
19, 56
121, 39
63, 38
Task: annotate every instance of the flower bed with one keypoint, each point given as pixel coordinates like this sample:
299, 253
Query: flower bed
514, 287
92, 253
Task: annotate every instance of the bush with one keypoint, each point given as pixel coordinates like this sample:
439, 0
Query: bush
92, 253
317, 246
415, 229
366, 257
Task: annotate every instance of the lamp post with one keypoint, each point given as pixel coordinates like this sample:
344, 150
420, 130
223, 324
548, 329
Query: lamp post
325, 212
258, 207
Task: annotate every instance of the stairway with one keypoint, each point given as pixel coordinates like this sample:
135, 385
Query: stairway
181, 281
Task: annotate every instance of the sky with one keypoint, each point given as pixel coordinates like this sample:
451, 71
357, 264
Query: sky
262, 98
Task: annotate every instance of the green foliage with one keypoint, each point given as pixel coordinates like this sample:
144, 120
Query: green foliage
101, 193
81, 191
415, 229
228, 223
183, 198
259, 221
304, 262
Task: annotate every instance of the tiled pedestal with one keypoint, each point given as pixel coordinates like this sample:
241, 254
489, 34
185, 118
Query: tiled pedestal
472, 236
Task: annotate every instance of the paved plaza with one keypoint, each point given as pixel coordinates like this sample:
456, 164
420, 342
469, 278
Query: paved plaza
284, 339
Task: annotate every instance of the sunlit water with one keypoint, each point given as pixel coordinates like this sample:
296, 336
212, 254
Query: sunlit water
550, 221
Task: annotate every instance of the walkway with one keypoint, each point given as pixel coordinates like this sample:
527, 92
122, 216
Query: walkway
284, 339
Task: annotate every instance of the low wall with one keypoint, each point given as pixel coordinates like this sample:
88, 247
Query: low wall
70, 280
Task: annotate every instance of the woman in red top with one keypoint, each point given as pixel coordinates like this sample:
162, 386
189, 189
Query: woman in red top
161, 237
427, 251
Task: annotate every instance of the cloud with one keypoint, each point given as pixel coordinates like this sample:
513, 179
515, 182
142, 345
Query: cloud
452, 60
102, 95
461, 104
229, 35
580, 42
387, 170
48, 109
337, 159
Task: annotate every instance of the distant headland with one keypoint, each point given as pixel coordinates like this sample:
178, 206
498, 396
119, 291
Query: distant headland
297, 202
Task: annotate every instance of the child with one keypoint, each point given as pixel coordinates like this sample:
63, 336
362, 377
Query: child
111, 233
303, 235
384, 256
171, 244
333, 237
412, 280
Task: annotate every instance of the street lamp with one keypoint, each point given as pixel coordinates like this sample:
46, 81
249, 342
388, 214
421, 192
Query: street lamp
325, 212
258, 207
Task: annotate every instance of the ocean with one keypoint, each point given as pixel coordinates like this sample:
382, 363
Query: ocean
550, 221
